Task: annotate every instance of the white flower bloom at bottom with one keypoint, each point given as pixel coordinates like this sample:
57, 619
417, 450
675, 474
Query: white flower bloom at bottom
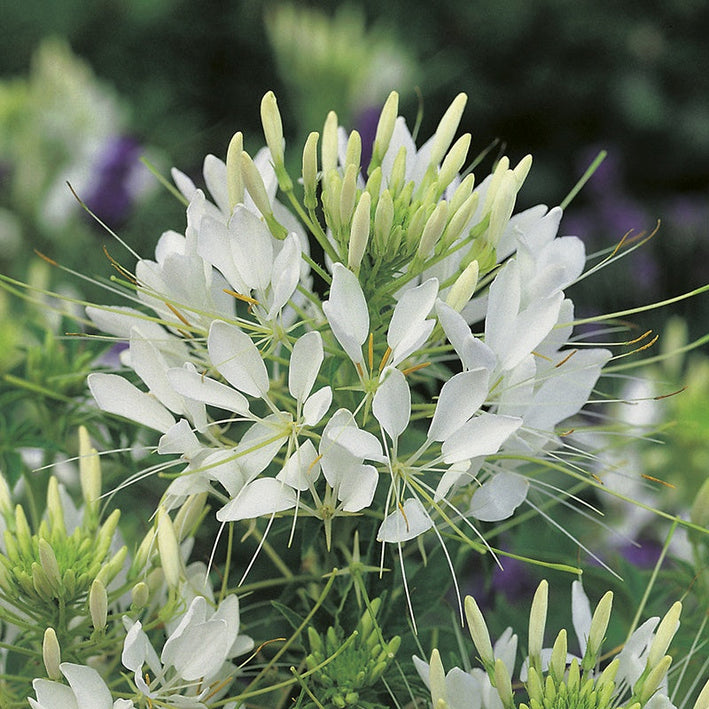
86, 690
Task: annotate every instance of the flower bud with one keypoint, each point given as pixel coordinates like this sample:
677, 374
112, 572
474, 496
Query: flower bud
597, 631
89, 472
453, 162
521, 170
462, 192
460, 219
51, 654
40, 582
503, 684
5, 498
447, 128
189, 514
374, 183
479, 632
435, 225
653, 680
55, 509
273, 132
537, 623
330, 146
359, 233
144, 551
664, 634
502, 207
353, 154
385, 129
112, 568
437, 678
310, 171
348, 194
140, 593
98, 604
48, 562
234, 178
23, 535
463, 288
383, 220
557, 663
254, 184
169, 549
703, 698
503, 165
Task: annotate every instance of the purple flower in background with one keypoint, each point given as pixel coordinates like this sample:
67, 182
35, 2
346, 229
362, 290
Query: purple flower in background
366, 125
115, 186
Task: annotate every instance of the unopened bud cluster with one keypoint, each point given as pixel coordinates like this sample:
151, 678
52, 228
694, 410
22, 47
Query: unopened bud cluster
357, 663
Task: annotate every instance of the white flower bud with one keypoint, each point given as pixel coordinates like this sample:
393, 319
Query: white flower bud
437, 678
460, 219
144, 552
359, 232
168, 548
234, 178
462, 192
348, 194
140, 593
385, 129
503, 684
353, 155
272, 126
5, 498
665, 632
537, 623
447, 128
432, 231
502, 207
89, 472
522, 170
310, 171
653, 680
703, 698
454, 161
383, 219
597, 631
503, 165
479, 632
48, 562
187, 516
98, 604
330, 148
51, 654
55, 509
254, 184
557, 662
464, 286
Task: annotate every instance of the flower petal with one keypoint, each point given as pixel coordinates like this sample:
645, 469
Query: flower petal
264, 496
391, 405
305, 361
237, 358
405, 523
461, 396
188, 382
499, 497
482, 435
117, 395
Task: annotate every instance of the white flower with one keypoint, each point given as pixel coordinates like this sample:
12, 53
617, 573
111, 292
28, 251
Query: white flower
86, 690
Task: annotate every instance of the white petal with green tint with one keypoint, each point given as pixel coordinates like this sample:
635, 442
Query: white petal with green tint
499, 497
482, 435
286, 274
391, 405
461, 396
264, 496
408, 328
302, 469
237, 359
405, 523
117, 395
316, 406
356, 489
305, 361
190, 383
346, 311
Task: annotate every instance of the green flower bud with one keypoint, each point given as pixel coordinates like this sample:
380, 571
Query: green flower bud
479, 632
454, 162
169, 549
664, 634
330, 146
385, 129
273, 132
597, 632
447, 128
140, 593
98, 604
234, 178
310, 171
353, 153
537, 623
48, 562
51, 654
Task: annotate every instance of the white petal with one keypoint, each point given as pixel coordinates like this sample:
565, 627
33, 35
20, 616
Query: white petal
52, 695
499, 497
200, 652
465, 470
264, 496
152, 368
286, 274
214, 246
580, 614
90, 690
357, 488
347, 313
317, 406
302, 469
404, 524
408, 328
252, 248
214, 171
461, 396
118, 396
237, 358
184, 183
473, 353
180, 439
391, 405
305, 361
482, 435
190, 383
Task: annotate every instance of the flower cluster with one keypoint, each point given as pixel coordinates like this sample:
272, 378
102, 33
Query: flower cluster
552, 677
278, 399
